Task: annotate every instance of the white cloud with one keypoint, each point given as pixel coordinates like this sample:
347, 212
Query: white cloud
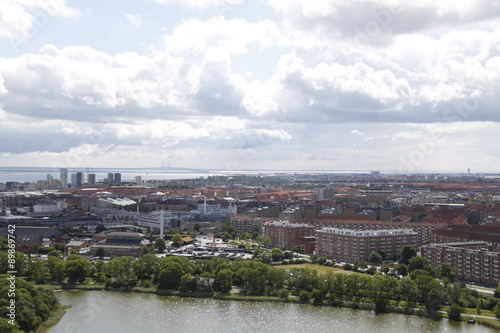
373, 18
201, 3
134, 19
55, 81
234, 36
19, 19
330, 99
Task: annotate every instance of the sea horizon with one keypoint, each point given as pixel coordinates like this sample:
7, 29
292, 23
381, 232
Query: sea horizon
30, 174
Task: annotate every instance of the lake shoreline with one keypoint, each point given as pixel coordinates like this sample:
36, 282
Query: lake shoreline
54, 319
420, 312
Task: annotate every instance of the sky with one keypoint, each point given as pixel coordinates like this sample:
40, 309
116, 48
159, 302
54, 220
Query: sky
388, 85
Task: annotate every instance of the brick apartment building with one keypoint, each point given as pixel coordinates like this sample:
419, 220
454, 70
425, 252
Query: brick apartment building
473, 260
424, 230
468, 233
285, 235
353, 245
243, 223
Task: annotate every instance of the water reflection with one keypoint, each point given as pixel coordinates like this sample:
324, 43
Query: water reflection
100, 311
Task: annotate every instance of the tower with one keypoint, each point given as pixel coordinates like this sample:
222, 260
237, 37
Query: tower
63, 177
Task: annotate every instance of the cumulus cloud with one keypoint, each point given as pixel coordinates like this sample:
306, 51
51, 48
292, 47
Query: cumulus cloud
373, 18
19, 18
59, 83
234, 36
201, 3
350, 77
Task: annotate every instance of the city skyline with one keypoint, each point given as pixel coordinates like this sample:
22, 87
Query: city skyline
251, 85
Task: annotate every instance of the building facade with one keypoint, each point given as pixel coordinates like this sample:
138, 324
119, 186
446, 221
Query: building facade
63, 180
284, 235
77, 179
91, 180
246, 224
423, 230
356, 245
473, 260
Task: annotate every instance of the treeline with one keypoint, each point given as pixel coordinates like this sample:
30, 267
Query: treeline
411, 285
31, 307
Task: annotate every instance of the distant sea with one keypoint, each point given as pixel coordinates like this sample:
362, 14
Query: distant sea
31, 174
25, 174
21, 175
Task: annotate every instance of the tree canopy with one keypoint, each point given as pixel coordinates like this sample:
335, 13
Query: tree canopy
160, 245
406, 253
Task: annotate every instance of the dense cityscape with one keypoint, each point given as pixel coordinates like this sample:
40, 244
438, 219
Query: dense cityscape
74, 229
213, 166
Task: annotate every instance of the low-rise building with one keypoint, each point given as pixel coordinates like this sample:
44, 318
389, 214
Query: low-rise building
77, 244
29, 238
49, 207
121, 244
158, 219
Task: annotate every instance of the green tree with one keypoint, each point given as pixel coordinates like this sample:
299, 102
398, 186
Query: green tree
54, 253
121, 272
56, 268
6, 327
283, 293
77, 270
455, 312
497, 291
304, 296
375, 258
407, 289
317, 296
496, 311
298, 249
147, 266
173, 231
33, 305
160, 245
406, 253
100, 228
402, 270
446, 271
170, 276
303, 278
100, 252
36, 271
263, 240
277, 254
265, 257
177, 240
380, 305
429, 292
145, 250
19, 262
225, 280
419, 263
188, 283
4, 243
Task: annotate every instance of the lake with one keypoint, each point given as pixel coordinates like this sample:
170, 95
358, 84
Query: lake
103, 311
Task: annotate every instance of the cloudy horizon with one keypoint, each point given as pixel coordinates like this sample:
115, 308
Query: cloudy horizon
384, 85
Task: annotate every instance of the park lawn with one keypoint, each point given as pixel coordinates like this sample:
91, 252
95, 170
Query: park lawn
487, 313
319, 268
